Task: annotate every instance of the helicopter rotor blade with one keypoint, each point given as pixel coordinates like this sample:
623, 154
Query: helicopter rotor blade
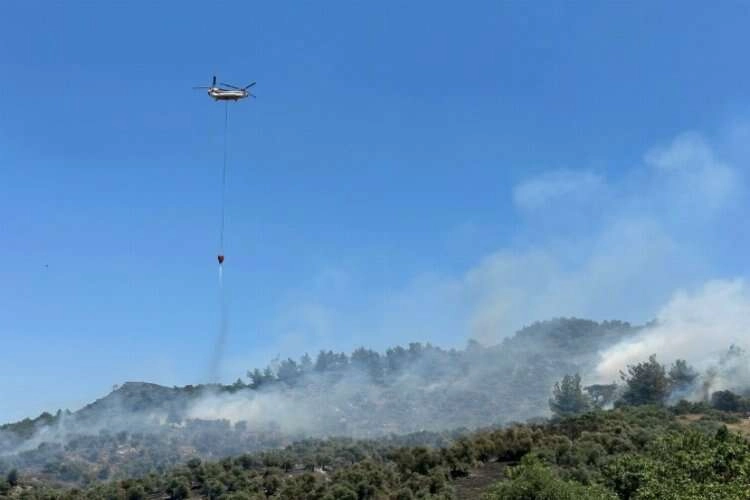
213, 83
248, 86
201, 87
230, 86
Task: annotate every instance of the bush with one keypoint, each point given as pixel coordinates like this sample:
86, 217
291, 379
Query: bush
179, 489
341, 492
136, 493
532, 480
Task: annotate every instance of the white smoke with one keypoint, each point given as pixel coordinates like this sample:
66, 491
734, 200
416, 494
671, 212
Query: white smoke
696, 326
258, 409
589, 245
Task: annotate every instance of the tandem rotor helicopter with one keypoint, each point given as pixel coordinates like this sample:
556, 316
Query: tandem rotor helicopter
232, 93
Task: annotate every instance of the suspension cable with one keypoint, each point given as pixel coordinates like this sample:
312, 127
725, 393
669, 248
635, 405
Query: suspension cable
224, 179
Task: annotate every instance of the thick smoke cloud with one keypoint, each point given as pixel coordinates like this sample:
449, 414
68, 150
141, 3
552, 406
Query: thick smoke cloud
698, 327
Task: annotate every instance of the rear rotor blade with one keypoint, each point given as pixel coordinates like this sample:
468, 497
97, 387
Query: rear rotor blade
248, 86
230, 86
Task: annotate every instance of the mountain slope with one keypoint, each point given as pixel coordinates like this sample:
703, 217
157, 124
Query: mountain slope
366, 394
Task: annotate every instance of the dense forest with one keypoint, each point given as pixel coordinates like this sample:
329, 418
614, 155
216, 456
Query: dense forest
507, 421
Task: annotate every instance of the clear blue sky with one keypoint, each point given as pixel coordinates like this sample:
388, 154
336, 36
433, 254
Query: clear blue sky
383, 151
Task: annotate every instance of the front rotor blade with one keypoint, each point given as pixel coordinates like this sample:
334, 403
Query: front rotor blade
230, 86
201, 87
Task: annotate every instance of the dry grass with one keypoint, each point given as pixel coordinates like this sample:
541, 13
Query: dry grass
690, 417
743, 426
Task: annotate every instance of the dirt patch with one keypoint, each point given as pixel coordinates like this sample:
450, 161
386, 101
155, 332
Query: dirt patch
690, 417
479, 479
743, 427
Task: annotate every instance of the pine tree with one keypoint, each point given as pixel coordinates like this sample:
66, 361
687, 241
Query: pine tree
568, 397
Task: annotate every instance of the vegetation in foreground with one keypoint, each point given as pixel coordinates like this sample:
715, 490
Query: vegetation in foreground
638, 452
640, 449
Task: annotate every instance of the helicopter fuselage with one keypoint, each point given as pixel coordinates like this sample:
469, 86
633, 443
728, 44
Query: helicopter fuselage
227, 95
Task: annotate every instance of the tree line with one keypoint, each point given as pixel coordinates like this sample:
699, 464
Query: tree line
647, 383
640, 448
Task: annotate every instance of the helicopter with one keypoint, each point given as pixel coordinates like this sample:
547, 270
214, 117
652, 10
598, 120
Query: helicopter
232, 93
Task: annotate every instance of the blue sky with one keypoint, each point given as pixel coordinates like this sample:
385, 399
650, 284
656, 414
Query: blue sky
420, 171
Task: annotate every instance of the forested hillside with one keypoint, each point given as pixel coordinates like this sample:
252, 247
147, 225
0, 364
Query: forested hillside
144, 441
140, 426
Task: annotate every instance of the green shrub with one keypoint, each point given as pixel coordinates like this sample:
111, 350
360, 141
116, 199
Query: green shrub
533, 481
